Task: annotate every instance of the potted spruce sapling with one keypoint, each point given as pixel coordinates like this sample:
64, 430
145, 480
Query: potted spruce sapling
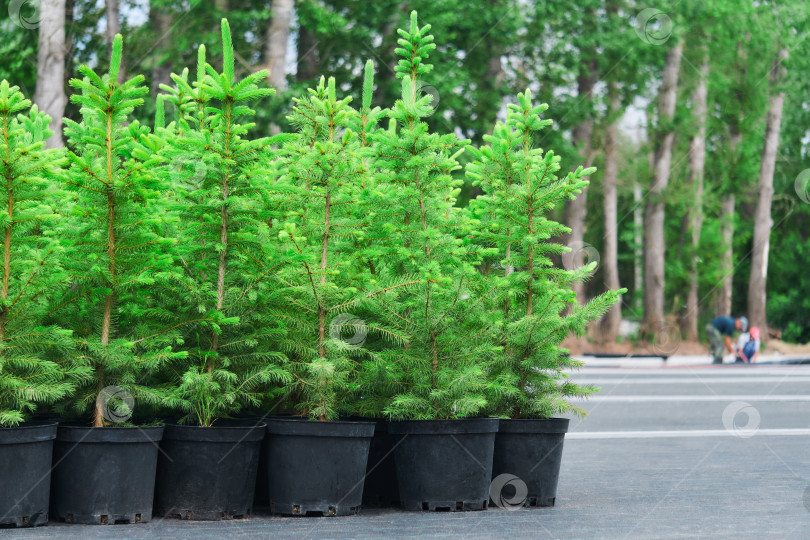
380, 485
224, 295
319, 465
444, 458
115, 258
532, 298
35, 366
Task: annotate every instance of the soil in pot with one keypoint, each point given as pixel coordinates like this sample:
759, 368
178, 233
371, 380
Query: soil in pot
25, 473
208, 473
381, 488
444, 465
317, 468
530, 450
104, 475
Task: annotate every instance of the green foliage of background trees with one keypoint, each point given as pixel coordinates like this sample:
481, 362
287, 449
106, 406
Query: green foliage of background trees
492, 49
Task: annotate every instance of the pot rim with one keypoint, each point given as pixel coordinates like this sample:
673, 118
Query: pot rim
29, 432
305, 427
247, 432
534, 425
480, 425
81, 433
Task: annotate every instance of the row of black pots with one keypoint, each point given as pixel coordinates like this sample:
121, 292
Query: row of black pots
451, 464
120, 474
107, 476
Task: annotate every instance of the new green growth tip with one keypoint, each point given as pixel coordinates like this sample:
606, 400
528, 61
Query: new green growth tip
160, 118
227, 51
368, 84
201, 63
115, 61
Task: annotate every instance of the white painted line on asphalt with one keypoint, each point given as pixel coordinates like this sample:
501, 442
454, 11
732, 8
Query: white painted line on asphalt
689, 380
679, 433
692, 397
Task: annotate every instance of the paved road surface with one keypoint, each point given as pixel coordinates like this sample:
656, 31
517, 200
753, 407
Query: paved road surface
690, 452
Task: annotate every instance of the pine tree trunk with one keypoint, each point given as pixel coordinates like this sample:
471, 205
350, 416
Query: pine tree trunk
70, 21
638, 240
610, 251
308, 62
324, 265
694, 215
388, 89
488, 107
723, 295
223, 235
161, 20
98, 412
106, 323
722, 303
576, 210
654, 241
50, 92
113, 28
6, 258
757, 293
275, 51
486, 110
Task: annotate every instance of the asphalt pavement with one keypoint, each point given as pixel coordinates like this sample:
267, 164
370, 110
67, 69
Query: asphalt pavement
665, 452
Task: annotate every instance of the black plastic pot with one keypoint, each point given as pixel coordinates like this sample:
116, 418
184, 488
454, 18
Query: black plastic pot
261, 499
381, 487
531, 450
104, 475
444, 464
317, 468
25, 473
208, 473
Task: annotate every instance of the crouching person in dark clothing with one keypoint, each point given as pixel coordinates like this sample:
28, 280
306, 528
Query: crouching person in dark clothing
720, 331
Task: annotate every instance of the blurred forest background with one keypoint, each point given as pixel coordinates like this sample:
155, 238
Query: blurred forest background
695, 113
